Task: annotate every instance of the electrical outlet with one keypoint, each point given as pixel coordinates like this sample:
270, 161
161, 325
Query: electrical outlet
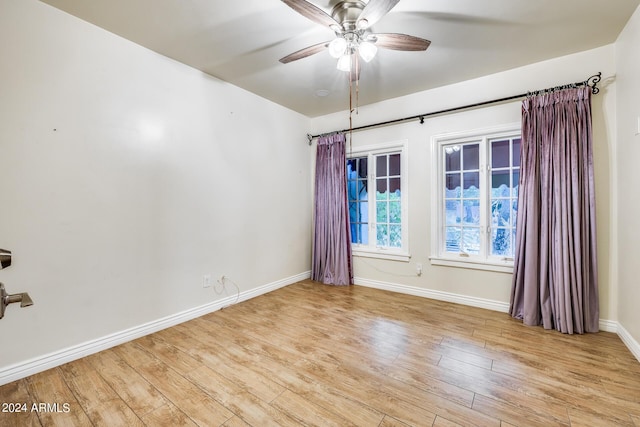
419, 269
206, 281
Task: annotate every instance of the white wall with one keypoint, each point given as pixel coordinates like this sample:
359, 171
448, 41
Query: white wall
474, 285
628, 175
126, 176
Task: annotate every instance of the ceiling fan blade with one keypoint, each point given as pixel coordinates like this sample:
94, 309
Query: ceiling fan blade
313, 13
399, 42
303, 53
373, 11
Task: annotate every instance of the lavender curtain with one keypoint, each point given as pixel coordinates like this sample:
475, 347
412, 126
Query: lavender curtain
555, 282
331, 262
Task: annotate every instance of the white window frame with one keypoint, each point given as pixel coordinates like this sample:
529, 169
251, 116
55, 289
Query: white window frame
439, 256
371, 250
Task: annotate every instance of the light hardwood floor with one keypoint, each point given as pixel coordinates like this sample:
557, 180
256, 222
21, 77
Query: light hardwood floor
310, 354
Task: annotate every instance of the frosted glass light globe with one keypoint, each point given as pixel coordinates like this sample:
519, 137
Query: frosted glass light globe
367, 51
344, 63
337, 47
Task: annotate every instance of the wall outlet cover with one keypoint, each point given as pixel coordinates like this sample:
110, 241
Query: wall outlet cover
206, 281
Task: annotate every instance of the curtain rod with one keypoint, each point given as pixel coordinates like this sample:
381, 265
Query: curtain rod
591, 82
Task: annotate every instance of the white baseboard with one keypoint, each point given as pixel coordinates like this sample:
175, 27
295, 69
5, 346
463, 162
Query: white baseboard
608, 325
51, 360
433, 294
629, 341
605, 325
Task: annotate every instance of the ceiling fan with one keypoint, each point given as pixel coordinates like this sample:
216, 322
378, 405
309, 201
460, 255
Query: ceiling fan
351, 20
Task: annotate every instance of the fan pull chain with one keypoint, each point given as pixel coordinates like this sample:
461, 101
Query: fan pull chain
351, 110
354, 64
357, 84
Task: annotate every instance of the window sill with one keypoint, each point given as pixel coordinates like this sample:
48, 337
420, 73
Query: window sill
381, 254
499, 267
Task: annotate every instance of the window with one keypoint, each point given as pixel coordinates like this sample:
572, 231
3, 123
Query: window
476, 198
376, 188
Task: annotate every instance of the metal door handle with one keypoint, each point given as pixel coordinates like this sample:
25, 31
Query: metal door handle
5, 299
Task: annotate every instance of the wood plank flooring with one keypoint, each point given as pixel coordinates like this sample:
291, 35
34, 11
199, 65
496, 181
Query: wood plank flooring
317, 355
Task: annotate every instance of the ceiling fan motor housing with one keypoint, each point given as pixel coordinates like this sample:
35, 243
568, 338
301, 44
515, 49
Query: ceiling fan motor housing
347, 13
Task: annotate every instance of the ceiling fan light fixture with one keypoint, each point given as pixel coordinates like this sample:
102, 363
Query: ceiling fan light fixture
367, 50
344, 63
351, 21
337, 47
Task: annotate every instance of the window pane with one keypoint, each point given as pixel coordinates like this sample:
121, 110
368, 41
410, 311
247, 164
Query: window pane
500, 183
351, 190
359, 234
382, 212
394, 185
452, 158
516, 180
395, 236
471, 184
362, 190
516, 152
452, 185
358, 212
357, 190
394, 164
471, 240
452, 239
354, 233
500, 154
501, 213
381, 165
351, 168
395, 195
471, 157
453, 212
353, 210
382, 235
514, 213
471, 212
395, 213
501, 241
381, 187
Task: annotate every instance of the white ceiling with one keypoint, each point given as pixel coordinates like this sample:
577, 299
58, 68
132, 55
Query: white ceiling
241, 41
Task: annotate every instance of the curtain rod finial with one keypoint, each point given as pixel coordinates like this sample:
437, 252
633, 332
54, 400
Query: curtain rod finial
310, 138
593, 82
